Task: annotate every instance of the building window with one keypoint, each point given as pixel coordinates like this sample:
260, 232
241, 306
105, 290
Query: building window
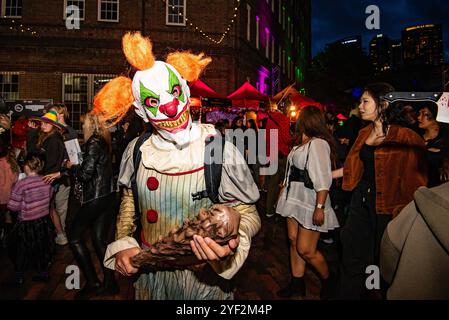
176, 12
257, 32
283, 18
12, 8
272, 49
283, 61
292, 70
108, 10
80, 4
79, 91
280, 56
280, 11
267, 43
9, 85
248, 23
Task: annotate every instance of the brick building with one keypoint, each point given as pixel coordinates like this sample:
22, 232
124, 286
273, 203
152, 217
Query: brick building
44, 54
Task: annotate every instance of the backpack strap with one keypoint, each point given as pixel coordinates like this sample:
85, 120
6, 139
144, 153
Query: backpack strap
212, 170
137, 158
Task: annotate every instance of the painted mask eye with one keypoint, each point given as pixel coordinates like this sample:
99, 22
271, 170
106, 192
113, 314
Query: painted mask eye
176, 92
151, 102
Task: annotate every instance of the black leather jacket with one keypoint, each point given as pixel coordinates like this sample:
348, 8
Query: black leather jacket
95, 172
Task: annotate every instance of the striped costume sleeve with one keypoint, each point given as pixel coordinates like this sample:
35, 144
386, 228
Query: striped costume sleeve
16, 199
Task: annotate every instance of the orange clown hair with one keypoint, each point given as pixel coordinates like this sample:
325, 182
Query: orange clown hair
188, 65
113, 101
138, 51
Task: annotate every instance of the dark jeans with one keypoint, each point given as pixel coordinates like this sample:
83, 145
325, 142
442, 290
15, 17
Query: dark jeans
98, 216
361, 237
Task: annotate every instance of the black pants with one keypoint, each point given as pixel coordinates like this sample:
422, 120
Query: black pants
361, 237
98, 216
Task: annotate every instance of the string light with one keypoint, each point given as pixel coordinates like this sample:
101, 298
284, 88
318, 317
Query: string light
21, 28
205, 34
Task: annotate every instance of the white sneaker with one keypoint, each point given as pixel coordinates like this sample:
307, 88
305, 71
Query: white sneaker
61, 239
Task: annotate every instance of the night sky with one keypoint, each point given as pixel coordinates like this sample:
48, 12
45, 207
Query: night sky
333, 20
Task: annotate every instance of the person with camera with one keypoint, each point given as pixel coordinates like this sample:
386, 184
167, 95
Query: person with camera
304, 200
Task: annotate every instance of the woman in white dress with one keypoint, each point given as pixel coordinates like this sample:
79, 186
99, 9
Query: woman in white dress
304, 200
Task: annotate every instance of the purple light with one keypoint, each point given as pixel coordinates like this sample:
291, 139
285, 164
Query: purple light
267, 31
257, 18
263, 73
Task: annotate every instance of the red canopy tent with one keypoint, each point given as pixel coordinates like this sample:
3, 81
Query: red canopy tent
296, 98
199, 89
247, 97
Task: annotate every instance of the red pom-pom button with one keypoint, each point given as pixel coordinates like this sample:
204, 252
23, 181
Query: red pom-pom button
152, 216
152, 183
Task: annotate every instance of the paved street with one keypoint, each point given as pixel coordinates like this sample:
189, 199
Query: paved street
265, 271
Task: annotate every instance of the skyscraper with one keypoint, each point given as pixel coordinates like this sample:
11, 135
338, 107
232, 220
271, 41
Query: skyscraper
423, 44
380, 53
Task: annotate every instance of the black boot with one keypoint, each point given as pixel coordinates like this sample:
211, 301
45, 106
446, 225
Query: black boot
89, 291
328, 287
296, 287
82, 256
110, 286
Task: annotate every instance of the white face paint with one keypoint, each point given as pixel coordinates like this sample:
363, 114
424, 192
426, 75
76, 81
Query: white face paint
162, 97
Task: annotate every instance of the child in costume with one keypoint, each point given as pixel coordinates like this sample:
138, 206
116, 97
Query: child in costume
32, 238
170, 177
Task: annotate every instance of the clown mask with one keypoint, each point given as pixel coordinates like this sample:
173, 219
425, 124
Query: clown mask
164, 95
158, 91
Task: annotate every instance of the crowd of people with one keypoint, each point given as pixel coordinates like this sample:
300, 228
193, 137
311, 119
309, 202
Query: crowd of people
345, 184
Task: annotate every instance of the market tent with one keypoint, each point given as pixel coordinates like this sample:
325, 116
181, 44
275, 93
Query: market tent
296, 98
247, 97
199, 89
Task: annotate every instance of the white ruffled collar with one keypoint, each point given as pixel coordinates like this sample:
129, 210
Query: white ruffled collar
163, 156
